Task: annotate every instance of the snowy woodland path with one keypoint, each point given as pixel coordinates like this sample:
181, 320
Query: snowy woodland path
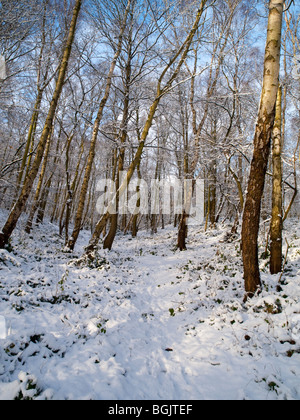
148, 322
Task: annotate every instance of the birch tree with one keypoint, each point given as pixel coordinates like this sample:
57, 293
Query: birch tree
88, 169
277, 205
220, 29
262, 143
29, 181
164, 84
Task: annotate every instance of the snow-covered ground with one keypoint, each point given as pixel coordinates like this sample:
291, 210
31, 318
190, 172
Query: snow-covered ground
148, 322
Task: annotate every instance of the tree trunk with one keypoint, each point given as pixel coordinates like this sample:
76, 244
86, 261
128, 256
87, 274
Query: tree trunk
30, 140
109, 240
41, 86
161, 91
36, 200
277, 209
213, 192
138, 204
43, 202
182, 233
92, 152
262, 140
29, 181
197, 130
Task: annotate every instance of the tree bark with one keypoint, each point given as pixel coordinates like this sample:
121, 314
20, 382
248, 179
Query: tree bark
262, 141
30, 141
277, 202
36, 200
29, 181
182, 232
43, 202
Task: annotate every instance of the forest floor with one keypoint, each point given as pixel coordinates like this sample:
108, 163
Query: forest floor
146, 321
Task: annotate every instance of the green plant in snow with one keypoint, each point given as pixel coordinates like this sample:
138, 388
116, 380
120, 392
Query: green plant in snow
29, 389
63, 281
172, 312
101, 326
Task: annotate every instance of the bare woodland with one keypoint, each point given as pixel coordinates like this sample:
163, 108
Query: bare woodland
203, 89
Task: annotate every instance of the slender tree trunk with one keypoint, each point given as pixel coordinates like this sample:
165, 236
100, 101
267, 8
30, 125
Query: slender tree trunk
197, 129
59, 191
109, 239
239, 182
30, 140
138, 168
295, 187
262, 141
213, 192
36, 200
277, 209
188, 172
46, 191
29, 181
161, 91
154, 217
207, 210
69, 191
138, 204
92, 152
213, 169
41, 86
182, 232
43, 202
